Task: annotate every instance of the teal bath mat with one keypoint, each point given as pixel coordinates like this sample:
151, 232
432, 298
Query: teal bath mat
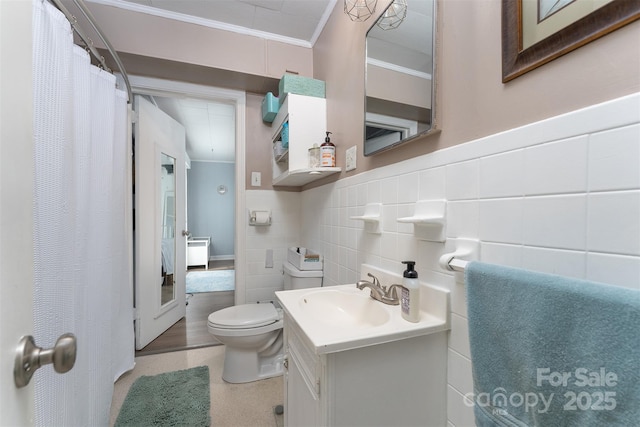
179, 398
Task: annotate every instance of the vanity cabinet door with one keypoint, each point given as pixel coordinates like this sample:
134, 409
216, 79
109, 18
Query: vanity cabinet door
302, 380
302, 405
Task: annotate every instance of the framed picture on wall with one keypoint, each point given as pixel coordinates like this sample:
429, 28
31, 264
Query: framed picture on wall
535, 32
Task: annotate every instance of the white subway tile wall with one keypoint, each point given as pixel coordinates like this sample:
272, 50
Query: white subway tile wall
559, 196
284, 232
611, 159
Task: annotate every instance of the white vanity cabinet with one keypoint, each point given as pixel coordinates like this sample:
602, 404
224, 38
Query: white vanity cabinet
306, 117
402, 382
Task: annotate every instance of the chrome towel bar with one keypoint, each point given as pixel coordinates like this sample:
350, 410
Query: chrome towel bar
457, 264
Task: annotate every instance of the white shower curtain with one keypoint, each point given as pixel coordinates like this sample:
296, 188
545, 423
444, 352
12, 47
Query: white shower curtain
81, 241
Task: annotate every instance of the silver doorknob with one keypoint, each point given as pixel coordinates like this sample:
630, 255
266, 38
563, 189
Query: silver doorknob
186, 233
29, 357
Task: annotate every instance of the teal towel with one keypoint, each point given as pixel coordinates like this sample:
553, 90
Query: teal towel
552, 351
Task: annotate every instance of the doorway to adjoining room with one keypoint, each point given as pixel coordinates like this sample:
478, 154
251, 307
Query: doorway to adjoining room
210, 213
211, 218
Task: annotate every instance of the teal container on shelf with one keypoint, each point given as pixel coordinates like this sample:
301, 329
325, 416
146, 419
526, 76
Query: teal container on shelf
284, 135
290, 83
270, 107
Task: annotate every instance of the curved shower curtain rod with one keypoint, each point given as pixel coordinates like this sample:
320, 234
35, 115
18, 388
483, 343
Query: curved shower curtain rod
89, 43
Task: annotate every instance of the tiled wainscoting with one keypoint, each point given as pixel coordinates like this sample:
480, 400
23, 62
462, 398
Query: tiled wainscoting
559, 196
261, 281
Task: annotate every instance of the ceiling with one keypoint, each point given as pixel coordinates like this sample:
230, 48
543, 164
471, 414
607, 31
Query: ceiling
293, 21
209, 125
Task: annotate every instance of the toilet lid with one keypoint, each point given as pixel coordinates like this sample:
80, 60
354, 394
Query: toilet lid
244, 316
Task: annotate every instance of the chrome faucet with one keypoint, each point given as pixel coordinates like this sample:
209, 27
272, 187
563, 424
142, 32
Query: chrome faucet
379, 292
393, 293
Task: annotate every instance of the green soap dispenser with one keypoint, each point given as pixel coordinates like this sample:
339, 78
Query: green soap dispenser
410, 299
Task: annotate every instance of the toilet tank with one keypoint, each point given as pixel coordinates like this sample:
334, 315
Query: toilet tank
300, 279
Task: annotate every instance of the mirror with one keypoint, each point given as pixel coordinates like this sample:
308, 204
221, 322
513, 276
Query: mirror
168, 227
399, 76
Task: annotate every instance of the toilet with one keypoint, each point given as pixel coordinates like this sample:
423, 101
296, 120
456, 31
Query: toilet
252, 333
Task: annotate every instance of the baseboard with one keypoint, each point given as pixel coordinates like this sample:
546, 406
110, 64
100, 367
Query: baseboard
222, 258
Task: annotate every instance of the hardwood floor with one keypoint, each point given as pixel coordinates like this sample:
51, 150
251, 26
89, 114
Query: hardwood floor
191, 331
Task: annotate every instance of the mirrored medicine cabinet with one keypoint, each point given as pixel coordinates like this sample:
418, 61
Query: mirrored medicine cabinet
399, 84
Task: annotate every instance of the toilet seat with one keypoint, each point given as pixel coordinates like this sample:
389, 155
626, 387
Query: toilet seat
244, 316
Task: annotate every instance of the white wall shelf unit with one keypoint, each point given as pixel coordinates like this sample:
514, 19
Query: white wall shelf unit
428, 220
307, 121
300, 177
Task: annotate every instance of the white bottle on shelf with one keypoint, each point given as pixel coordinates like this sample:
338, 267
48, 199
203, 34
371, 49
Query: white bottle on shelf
410, 300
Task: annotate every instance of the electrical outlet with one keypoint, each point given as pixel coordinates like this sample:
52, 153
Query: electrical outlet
256, 179
350, 159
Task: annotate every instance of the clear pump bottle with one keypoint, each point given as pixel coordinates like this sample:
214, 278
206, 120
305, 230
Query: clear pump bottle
410, 300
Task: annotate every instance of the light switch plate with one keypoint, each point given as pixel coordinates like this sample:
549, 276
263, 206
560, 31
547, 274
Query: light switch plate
256, 179
350, 159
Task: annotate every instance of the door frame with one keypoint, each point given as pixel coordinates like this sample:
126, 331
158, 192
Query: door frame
17, 406
168, 88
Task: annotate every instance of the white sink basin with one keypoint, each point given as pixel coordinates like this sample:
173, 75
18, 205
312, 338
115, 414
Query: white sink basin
343, 309
339, 318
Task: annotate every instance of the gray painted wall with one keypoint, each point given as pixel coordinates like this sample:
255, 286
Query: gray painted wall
208, 212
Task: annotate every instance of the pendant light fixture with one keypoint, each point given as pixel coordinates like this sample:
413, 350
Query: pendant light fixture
394, 15
360, 10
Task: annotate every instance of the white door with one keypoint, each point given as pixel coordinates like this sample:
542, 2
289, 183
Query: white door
159, 222
16, 201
